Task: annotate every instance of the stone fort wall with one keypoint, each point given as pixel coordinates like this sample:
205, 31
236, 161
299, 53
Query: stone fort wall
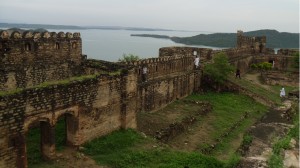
45, 77
30, 58
95, 97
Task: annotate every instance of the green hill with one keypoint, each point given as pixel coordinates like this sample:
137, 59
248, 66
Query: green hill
275, 39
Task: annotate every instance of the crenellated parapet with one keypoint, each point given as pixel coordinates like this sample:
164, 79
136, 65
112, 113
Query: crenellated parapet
28, 58
203, 53
14, 35
29, 47
162, 66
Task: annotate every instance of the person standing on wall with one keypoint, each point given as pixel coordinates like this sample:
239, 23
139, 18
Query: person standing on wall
144, 73
196, 61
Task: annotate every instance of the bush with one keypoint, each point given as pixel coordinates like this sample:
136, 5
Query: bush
263, 66
247, 139
129, 58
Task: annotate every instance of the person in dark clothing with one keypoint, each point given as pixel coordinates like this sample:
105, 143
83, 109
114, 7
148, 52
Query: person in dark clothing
238, 73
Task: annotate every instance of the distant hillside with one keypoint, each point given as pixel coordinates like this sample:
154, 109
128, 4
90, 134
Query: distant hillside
275, 39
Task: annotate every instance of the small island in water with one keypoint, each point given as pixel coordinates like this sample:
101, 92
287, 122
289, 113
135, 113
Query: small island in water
152, 35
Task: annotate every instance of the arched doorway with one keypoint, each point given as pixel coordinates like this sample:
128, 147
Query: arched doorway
40, 142
66, 131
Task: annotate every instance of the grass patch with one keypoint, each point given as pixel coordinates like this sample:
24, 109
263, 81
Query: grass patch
247, 139
228, 108
10, 92
275, 161
267, 94
60, 134
119, 150
272, 93
33, 141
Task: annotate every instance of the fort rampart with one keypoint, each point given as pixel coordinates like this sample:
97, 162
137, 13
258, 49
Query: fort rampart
45, 77
30, 58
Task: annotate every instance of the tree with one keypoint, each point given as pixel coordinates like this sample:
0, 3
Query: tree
219, 70
129, 58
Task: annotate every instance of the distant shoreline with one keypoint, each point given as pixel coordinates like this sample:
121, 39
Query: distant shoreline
47, 26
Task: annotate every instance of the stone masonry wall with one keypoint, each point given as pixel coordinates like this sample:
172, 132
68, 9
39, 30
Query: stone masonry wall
168, 78
98, 105
158, 93
31, 58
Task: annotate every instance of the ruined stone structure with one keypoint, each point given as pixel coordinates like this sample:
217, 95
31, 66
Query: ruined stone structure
45, 77
257, 44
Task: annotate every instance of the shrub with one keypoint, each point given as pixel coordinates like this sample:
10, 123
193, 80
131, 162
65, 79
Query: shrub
129, 58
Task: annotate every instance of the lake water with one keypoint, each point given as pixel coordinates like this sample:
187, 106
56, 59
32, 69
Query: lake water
110, 45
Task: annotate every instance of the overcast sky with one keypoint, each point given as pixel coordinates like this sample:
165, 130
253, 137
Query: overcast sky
197, 15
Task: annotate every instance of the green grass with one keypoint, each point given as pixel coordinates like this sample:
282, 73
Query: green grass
119, 149
60, 134
228, 108
267, 94
10, 92
275, 161
271, 94
277, 88
247, 139
33, 141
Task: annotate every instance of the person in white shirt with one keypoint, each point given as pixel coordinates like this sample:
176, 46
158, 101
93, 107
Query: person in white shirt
282, 92
196, 61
